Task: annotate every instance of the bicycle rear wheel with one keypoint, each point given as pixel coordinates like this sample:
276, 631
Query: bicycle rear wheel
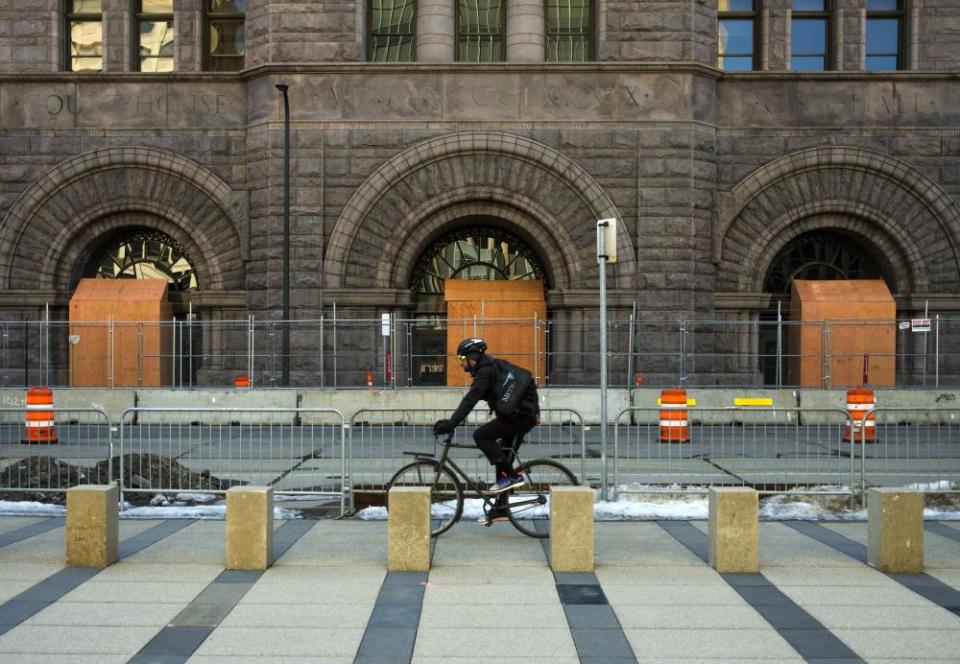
529, 505
446, 492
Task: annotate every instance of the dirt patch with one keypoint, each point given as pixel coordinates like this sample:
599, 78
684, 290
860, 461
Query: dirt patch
49, 478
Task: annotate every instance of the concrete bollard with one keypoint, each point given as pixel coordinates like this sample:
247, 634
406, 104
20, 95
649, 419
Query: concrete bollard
571, 529
408, 529
895, 530
92, 525
249, 527
733, 530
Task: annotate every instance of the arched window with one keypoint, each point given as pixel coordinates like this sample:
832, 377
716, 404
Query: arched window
822, 255
144, 254
225, 34
476, 252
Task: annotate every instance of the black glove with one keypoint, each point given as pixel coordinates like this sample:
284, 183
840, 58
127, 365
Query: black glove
442, 427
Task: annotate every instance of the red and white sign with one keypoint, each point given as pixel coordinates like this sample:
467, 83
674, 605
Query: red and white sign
920, 324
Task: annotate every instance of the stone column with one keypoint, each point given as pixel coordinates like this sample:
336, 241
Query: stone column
117, 36
188, 27
851, 34
436, 33
571, 529
249, 528
526, 31
408, 529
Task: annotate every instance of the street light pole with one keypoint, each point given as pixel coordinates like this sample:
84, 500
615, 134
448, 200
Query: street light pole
285, 330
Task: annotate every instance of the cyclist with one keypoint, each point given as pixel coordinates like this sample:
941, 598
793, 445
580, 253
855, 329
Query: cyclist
473, 357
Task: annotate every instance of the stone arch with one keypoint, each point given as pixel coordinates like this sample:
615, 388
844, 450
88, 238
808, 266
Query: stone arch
905, 216
64, 212
537, 192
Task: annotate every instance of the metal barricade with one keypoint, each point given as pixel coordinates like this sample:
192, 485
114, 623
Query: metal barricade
82, 454
379, 438
208, 450
773, 450
918, 447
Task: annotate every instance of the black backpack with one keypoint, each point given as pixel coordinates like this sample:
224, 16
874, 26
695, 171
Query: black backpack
511, 384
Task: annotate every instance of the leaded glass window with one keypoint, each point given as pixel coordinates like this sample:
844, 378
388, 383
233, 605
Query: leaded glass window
225, 34
480, 29
821, 255
474, 253
155, 35
884, 35
145, 254
737, 35
810, 29
84, 21
569, 31
392, 24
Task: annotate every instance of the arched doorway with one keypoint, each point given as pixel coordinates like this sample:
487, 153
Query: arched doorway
816, 255
477, 250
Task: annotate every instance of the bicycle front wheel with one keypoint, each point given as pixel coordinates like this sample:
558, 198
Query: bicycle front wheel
529, 506
446, 492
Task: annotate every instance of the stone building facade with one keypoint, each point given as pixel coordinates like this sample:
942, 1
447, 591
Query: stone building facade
714, 175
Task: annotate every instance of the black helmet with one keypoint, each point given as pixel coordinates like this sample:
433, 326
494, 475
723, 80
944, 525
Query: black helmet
472, 348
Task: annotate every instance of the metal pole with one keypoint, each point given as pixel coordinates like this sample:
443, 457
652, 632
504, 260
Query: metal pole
46, 345
779, 344
190, 343
602, 262
926, 341
936, 352
322, 363
285, 339
630, 381
334, 344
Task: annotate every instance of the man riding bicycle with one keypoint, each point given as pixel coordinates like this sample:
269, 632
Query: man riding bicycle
509, 429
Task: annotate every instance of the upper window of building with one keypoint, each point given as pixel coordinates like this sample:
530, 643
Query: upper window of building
391, 30
884, 35
810, 30
155, 36
569, 31
225, 34
480, 28
85, 27
737, 35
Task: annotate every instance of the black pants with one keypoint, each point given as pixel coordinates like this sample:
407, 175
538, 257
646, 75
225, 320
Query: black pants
507, 430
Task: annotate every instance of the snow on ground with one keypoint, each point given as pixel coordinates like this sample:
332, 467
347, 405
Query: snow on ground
632, 504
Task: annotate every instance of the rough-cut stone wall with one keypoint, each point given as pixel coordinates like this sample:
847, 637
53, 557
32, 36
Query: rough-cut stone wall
291, 31
29, 36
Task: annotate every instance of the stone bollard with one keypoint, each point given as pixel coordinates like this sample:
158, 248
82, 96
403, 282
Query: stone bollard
895, 530
571, 529
733, 530
408, 529
249, 527
92, 525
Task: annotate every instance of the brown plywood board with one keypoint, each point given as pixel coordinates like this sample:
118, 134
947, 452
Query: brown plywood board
509, 315
141, 338
846, 328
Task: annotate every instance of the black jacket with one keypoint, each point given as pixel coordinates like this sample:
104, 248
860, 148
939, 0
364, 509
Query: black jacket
485, 374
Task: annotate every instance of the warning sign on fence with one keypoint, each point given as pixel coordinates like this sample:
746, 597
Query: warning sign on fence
920, 324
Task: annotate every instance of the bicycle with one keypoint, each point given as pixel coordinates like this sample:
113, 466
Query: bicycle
526, 507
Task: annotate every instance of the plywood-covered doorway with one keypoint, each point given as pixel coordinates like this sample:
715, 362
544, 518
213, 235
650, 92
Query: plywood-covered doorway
509, 315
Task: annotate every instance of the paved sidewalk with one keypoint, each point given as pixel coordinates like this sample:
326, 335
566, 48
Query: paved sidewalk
490, 596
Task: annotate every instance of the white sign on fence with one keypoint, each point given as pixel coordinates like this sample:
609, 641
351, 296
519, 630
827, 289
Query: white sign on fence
920, 324
904, 325
385, 325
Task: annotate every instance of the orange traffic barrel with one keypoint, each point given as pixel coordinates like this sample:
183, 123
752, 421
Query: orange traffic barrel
860, 425
674, 427
39, 426
243, 380
369, 381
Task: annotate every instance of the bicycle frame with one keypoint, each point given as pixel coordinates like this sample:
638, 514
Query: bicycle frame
489, 498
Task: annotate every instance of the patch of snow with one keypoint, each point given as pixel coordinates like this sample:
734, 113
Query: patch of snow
30, 508
195, 512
